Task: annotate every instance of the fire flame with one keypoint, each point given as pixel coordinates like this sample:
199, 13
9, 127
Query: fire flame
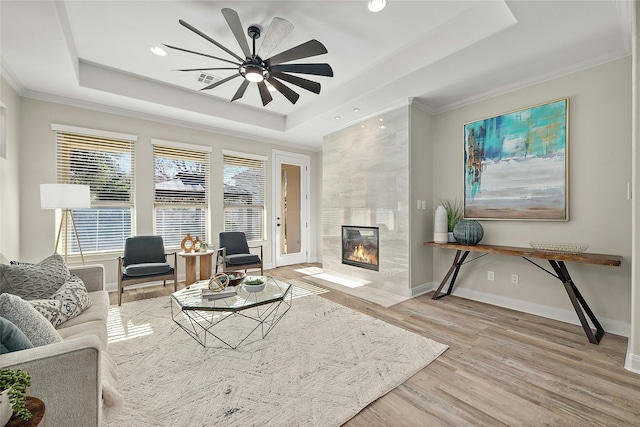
362, 254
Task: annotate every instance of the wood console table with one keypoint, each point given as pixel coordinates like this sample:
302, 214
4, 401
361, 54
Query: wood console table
560, 272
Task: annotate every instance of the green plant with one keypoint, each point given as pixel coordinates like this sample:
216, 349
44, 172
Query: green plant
454, 212
17, 381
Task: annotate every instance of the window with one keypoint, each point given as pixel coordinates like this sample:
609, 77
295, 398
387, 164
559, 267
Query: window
181, 188
244, 194
104, 161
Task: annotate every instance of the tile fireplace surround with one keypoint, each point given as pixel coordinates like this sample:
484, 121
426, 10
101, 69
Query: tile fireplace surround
366, 183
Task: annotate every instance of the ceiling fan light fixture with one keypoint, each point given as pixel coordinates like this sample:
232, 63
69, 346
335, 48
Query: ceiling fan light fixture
253, 75
377, 5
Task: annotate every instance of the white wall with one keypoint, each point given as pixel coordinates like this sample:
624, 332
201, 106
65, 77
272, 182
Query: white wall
37, 165
421, 188
9, 178
633, 352
600, 214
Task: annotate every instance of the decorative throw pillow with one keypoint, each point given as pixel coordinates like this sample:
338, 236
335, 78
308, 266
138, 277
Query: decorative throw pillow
52, 310
34, 281
28, 320
12, 338
74, 293
68, 302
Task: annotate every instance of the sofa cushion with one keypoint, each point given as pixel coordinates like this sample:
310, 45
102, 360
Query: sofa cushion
34, 281
96, 328
12, 338
28, 320
146, 269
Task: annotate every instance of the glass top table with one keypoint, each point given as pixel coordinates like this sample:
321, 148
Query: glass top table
230, 320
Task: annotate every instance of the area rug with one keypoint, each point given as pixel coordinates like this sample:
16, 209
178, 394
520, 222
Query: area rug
320, 365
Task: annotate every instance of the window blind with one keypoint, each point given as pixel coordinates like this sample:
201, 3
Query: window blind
244, 195
181, 191
106, 165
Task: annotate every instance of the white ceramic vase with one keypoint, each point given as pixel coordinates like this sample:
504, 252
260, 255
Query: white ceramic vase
440, 228
6, 410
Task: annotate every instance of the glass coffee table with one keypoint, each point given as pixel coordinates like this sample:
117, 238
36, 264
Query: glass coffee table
231, 320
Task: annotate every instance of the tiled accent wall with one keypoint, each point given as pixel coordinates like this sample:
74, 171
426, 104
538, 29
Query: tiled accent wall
366, 183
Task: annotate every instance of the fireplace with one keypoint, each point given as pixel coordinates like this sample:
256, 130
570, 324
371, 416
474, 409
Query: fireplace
360, 246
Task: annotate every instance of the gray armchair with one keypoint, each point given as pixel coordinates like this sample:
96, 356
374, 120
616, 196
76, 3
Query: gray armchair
234, 253
145, 260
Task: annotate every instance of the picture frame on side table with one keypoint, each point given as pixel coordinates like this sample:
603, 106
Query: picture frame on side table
516, 164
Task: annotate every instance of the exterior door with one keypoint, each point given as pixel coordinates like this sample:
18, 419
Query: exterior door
291, 208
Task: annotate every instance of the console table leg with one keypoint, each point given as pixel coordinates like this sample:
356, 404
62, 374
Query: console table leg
579, 303
455, 268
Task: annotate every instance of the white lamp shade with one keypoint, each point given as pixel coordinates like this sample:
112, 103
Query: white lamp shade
64, 196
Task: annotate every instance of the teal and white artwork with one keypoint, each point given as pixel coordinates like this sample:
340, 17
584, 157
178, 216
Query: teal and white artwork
515, 164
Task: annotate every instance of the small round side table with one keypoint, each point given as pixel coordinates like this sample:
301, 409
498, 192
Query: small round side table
36, 407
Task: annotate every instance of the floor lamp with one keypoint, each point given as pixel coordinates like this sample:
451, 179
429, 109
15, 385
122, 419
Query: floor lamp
65, 197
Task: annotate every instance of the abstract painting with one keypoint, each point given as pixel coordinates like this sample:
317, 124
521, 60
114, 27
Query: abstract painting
515, 164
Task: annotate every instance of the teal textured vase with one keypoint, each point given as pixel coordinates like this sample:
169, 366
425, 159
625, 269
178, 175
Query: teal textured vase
468, 232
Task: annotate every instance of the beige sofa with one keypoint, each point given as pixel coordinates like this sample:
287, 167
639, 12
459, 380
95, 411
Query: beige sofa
68, 376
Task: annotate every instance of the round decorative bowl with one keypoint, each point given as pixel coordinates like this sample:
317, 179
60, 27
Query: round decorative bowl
468, 232
235, 277
254, 284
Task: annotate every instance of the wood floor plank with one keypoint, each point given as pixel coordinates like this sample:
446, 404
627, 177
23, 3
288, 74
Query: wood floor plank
502, 368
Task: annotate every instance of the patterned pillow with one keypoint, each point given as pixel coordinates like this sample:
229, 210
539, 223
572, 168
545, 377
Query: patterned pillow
53, 310
28, 320
68, 302
34, 281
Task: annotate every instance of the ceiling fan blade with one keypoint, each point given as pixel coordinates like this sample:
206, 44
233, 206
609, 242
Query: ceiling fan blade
264, 93
277, 31
204, 69
206, 37
236, 28
240, 92
201, 54
284, 89
216, 84
309, 85
315, 69
304, 50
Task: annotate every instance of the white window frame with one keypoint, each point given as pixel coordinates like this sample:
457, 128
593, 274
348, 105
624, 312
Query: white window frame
124, 143
262, 208
188, 150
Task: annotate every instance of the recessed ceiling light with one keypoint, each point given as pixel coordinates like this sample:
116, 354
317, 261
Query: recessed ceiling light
338, 117
355, 110
157, 50
383, 127
376, 5
381, 119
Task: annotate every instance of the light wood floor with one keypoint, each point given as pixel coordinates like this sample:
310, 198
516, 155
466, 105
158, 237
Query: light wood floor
502, 368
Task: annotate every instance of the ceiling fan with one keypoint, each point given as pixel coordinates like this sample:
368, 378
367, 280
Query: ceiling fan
255, 69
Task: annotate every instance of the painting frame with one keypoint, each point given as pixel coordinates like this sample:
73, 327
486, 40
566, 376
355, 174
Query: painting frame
516, 164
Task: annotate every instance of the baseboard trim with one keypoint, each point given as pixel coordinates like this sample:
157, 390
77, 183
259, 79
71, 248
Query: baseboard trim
632, 363
569, 316
422, 289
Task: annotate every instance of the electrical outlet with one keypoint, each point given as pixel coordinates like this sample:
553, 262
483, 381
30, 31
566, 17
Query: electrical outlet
491, 275
514, 279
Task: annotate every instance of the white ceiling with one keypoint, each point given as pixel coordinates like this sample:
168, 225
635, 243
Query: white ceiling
443, 54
